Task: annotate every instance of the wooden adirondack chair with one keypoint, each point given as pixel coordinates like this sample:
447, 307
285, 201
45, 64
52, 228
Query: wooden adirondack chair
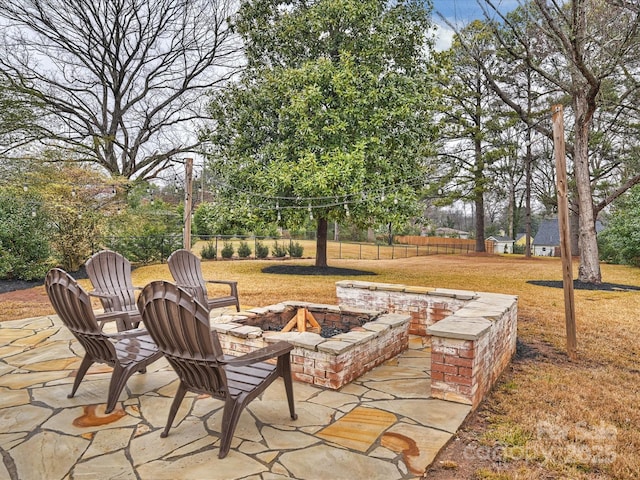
110, 274
127, 352
186, 270
179, 325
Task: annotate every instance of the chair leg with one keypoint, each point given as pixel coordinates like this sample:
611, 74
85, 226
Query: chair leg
122, 325
284, 365
177, 400
230, 416
119, 379
87, 361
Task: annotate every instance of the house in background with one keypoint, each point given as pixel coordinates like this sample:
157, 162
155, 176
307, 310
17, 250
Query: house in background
500, 243
521, 240
451, 233
546, 243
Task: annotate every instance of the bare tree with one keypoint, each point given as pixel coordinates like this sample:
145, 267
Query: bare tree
120, 83
579, 45
471, 122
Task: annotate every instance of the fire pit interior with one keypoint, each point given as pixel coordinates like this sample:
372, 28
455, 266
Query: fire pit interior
325, 320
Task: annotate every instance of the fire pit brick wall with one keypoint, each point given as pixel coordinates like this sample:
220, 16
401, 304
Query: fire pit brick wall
425, 305
331, 362
470, 346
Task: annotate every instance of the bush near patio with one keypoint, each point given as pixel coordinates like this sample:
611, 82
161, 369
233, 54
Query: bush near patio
145, 233
25, 251
619, 242
262, 251
295, 250
209, 251
244, 251
227, 250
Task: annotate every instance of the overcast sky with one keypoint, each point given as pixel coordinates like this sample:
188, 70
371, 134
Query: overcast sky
459, 12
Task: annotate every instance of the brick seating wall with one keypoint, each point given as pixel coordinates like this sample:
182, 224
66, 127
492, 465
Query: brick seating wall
473, 334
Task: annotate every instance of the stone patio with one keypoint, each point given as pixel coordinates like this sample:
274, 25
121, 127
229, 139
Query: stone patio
383, 425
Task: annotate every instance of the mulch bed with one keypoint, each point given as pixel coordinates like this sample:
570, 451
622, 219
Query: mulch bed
14, 285
312, 270
578, 285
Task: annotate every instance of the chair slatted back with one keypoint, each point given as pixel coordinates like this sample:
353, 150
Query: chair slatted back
179, 325
186, 269
111, 272
73, 305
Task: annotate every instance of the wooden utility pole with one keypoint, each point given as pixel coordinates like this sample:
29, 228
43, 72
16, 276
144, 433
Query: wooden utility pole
188, 187
563, 226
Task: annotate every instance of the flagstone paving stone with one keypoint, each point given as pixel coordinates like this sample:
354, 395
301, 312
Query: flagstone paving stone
47, 455
12, 398
440, 414
323, 461
247, 428
358, 429
111, 465
404, 388
383, 425
418, 445
107, 441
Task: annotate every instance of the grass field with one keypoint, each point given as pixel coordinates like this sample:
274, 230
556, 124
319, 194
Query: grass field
549, 417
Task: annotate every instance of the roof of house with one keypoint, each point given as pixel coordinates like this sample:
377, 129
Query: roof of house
500, 238
549, 234
451, 232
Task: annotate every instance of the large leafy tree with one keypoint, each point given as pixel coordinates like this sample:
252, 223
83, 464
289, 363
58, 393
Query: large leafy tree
331, 120
119, 83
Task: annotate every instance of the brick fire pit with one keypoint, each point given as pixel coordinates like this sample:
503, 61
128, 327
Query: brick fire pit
472, 335
353, 340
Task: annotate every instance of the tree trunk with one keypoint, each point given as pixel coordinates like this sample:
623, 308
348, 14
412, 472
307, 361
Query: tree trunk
371, 235
321, 243
589, 270
511, 210
527, 208
478, 172
528, 161
480, 246
478, 189
574, 225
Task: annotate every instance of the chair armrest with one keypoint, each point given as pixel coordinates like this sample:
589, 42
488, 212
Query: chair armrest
109, 316
232, 284
109, 296
136, 332
266, 353
223, 282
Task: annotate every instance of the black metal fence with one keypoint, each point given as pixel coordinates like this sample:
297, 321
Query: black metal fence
149, 249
